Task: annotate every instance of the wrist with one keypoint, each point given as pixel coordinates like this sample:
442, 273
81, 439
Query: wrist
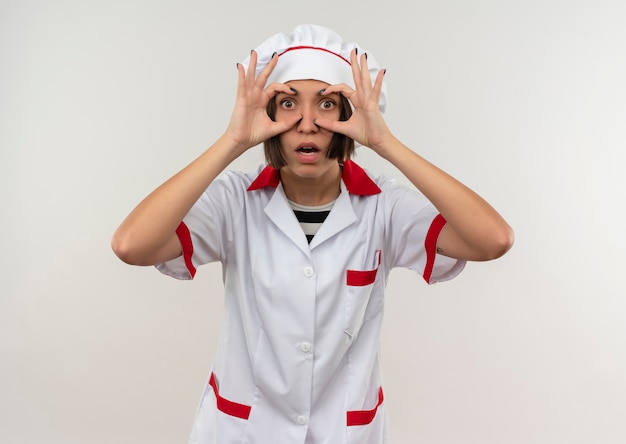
387, 147
233, 144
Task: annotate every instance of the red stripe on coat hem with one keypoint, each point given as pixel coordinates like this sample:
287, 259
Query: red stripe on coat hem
229, 407
364, 417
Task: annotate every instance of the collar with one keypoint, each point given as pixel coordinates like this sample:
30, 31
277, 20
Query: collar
354, 177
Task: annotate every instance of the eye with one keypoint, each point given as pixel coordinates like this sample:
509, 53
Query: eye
328, 105
287, 104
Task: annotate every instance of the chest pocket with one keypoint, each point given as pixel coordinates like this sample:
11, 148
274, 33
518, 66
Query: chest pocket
364, 297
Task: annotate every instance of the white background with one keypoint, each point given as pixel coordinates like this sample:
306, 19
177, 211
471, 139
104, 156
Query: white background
524, 101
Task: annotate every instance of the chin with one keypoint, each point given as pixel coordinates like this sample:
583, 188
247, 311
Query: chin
308, 170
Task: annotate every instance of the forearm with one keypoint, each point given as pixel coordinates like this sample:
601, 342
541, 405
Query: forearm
474, 230
147, 235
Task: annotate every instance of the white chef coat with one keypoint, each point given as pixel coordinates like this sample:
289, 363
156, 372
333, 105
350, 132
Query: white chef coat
297, 360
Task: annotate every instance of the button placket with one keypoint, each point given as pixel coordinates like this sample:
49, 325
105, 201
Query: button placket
305, 347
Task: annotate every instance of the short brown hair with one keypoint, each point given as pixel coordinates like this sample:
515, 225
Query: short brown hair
341, 147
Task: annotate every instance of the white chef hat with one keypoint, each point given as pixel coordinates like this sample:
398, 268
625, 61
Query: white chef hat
313, 52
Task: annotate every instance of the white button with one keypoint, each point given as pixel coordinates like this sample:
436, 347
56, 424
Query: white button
308, 271
305, 347
301, 420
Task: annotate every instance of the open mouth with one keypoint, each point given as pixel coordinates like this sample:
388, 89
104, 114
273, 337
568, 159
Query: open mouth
307, 150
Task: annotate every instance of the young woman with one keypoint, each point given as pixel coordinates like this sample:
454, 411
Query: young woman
306, 243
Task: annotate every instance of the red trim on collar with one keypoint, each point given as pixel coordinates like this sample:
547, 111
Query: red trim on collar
269, 177
356, 179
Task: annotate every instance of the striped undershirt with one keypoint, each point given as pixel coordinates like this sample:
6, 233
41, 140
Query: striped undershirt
311, 218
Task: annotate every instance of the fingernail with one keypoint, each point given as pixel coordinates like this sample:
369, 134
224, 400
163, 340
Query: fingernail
321, 91
237, 65
384, 71
251, 51
273, 55
293, 90
356, 50
365, 55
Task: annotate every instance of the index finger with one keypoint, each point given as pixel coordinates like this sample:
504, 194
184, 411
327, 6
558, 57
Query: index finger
354, 65
341, 88
265, 73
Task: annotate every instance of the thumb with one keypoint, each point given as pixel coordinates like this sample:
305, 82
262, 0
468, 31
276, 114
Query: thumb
281, 126
287, 124
334, 126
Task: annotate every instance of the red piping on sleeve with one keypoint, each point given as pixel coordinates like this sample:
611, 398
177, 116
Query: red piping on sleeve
430, 243
185, 241
229, 407
364, 417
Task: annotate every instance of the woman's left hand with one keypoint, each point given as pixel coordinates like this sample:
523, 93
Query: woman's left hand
366, 125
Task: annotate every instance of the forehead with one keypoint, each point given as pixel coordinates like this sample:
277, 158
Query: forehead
307, 85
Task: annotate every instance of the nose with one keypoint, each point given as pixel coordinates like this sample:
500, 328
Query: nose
307, 123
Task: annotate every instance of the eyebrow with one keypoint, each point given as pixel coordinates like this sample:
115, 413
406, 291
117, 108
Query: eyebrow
296, 92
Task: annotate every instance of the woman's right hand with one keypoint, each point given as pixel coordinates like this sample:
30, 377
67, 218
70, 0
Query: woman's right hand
250, 124
148, 235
